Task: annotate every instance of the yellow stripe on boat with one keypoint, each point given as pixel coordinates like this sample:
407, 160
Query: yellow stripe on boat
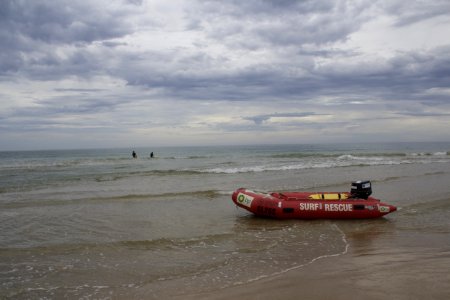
331, 196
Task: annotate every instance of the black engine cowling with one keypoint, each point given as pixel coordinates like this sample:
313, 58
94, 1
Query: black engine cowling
361, 189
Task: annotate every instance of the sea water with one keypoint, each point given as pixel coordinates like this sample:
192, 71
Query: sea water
99, 224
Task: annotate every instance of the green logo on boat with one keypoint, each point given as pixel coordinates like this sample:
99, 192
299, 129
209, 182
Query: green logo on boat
241, 198
245, 200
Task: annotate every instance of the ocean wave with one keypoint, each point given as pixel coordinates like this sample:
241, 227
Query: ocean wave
13, 181
144, 173
306, 165
208, 194
161, 172
332, 161
361, 158
43, 165
37, 165
334, 155
439, 153
162, 243
184, 157
176, 243
201, 194
299, 155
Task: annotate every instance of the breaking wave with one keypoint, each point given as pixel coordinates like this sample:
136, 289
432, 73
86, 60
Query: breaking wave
341, 161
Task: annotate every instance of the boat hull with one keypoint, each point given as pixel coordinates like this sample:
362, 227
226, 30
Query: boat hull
302, 205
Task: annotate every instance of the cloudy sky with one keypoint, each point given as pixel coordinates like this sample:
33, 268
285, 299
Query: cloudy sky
120, 73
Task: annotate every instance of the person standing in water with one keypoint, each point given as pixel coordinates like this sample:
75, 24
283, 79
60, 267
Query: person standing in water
134, 154
151, 155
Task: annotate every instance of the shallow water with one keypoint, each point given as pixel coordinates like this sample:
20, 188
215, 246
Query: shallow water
98, 224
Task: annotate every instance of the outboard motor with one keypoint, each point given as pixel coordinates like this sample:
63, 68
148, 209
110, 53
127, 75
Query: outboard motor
361, 189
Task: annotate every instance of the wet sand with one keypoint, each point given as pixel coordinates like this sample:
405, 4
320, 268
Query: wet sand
403, 256
379, 274
384, 276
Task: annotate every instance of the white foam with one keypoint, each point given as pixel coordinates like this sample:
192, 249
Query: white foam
440, 153
344, 239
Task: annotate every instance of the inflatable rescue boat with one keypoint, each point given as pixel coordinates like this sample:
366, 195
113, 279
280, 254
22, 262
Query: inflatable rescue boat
356, 204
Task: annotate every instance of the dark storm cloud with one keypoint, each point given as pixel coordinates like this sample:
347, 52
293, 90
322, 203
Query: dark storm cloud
31, 30
61, 21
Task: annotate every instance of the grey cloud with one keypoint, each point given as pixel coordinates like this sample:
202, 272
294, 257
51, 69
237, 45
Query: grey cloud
423, 114
50, 40
50, 66
409, 12
270, 23
261, 52
257, 24
260, 119
254, 127
113, 44
135, 2
405, 76
237, 8
60, 114
30, 31
62, 21
241, 86
77, 90
34, 29
63, 107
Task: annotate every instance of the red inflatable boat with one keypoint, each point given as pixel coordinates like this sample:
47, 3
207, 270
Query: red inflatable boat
303, 205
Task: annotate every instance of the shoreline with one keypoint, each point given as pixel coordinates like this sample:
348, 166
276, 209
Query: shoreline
392, 275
